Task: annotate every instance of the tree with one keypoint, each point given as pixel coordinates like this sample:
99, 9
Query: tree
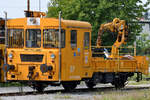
100, 11
143, 44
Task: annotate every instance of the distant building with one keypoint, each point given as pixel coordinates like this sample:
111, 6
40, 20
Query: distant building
145, 41
145, 26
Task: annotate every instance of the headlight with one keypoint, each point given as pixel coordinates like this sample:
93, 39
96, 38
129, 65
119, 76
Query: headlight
52, 56
10, 55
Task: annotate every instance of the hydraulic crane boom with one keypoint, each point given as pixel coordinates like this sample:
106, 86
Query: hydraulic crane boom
118, 26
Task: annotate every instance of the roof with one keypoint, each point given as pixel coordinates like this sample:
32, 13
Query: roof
76, 24
53, 22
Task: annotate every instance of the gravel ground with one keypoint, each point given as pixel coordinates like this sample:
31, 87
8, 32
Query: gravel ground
59, 96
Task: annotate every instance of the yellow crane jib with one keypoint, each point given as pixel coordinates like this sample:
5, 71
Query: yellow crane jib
118, 26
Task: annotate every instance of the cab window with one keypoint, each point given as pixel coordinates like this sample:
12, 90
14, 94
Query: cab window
73, 38
33, 38
15, 38
86, 40
51, 38
2, 34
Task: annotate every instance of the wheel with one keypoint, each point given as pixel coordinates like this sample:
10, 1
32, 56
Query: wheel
38, 87
90, 85
119, 83
69, 86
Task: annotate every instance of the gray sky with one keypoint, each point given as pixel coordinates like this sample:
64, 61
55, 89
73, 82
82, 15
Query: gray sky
15, 8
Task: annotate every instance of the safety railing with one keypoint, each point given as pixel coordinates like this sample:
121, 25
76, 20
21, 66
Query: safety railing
105, 51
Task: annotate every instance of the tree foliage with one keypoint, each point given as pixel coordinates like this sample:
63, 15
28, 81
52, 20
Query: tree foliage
143, 44
98, 12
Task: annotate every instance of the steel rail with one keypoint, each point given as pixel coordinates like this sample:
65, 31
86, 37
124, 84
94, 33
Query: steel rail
76, 91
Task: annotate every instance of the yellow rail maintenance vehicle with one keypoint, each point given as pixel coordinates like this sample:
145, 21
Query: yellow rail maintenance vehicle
2, 47
47, 51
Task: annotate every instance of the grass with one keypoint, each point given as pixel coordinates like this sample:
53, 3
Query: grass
133, 78
138, 83
63, 97
60, 96
125, 95
11, 84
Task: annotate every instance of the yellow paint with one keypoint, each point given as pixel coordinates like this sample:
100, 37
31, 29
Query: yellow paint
2, 48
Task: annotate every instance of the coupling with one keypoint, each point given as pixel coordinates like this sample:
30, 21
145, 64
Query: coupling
44, 68
7, 67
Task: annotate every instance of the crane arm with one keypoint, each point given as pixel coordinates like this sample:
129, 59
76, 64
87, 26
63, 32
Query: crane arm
118, 26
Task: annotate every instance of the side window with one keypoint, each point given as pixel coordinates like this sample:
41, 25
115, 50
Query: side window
51, 38
73, 38
63, 38
86, 40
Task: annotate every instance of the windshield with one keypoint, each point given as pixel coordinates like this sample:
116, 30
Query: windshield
51, 38
33, 38
15, 38
2, 33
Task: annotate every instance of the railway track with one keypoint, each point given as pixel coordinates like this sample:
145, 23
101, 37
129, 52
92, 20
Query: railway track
81, 90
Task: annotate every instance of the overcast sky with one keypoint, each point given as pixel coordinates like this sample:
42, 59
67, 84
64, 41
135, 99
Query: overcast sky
15, 8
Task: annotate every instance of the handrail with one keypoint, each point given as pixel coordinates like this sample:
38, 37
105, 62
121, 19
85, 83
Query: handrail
130, 50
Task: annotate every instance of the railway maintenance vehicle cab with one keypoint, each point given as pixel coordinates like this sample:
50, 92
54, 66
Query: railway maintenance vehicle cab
33, 51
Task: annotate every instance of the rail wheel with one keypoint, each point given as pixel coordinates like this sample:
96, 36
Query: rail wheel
38, 87
119, 83
69, 86
90, 85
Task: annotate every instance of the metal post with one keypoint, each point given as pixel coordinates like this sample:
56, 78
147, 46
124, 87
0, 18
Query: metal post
5, 36
59, 46
28, 5
118, 61
135, 48
5, 44
39, 5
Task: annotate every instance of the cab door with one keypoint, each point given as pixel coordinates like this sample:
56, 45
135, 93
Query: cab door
86, 49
